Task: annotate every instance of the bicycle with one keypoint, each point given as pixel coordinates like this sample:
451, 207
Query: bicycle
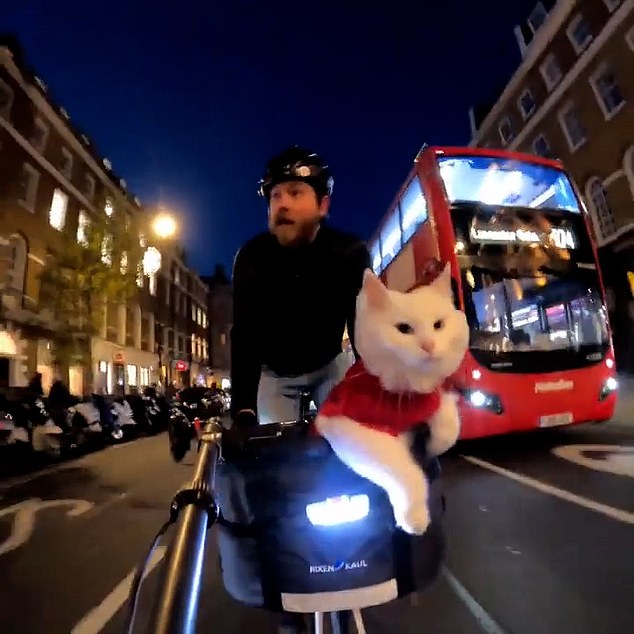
356, 517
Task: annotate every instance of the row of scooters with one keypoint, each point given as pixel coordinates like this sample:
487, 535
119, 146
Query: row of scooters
29, 425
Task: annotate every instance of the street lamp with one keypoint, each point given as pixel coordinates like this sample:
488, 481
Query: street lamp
164, 226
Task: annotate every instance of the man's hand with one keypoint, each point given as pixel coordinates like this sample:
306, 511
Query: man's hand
245, 419
234, 438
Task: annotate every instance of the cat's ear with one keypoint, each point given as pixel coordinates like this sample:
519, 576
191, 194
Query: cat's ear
442, 283
374, 291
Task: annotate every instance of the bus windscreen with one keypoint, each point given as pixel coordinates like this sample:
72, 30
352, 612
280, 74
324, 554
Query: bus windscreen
499, 181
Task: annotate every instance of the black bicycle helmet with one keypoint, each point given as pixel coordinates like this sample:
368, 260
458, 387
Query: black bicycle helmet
297, 164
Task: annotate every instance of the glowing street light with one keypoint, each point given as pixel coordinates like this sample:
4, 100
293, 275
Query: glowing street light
164, 226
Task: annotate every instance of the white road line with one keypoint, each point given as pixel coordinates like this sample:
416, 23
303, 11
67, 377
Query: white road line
610, 511
95, 621
484, 619
618, 459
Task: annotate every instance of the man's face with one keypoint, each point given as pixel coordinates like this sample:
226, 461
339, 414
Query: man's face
295, 213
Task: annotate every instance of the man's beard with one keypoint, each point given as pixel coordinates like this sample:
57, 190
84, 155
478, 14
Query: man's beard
293, 234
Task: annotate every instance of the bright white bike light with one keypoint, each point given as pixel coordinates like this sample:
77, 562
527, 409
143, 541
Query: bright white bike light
339, 510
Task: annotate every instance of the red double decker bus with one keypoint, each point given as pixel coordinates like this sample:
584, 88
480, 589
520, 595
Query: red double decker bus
524, 270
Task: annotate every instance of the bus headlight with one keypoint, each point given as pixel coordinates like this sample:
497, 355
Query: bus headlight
610, 385
483, 400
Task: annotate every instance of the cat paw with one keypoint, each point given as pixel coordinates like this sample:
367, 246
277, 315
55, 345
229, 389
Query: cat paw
414, 520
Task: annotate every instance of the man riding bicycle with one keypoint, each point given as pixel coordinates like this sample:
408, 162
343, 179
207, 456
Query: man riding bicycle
294, 293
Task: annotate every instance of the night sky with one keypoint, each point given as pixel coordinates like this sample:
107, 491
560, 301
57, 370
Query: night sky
189, 101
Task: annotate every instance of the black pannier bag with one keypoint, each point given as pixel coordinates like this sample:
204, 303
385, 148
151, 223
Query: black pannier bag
299, 531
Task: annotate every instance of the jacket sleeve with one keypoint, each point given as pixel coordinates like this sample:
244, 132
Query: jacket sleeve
360, 260
246, 362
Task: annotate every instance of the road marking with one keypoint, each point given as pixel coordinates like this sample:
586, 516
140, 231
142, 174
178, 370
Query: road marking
99, 616
24, 521
484, 619
610, 511
618, 459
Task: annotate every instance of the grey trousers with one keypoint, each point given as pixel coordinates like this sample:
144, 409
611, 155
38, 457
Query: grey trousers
279, 396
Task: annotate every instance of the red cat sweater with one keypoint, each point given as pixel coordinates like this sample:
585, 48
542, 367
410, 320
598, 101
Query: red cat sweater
361, 397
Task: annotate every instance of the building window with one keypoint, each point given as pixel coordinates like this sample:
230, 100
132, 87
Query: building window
526, 104
57, 212
40, 135
579, 33
132, 374
603, 212
607, 91
6, 100
537, 17
152, 284
612, 5
506, 130
83, 222
108, 208
27, 186
551, 71
17, 258
573, 128
89, 187
66, 164
541, 147
106, 249
629, 38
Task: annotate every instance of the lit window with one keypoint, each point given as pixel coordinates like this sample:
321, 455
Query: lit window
83, 222
57, 212
132, 374
152, 284
106, 250
108, 208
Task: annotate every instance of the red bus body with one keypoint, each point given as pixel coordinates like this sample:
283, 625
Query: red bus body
523, 371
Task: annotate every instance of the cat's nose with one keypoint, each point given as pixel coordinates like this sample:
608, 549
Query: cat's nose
428, 346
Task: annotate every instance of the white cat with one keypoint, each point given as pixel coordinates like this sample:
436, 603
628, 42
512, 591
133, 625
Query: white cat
409, 343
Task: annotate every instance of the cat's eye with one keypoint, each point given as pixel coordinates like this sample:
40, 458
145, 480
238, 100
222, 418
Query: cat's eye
439, 324
404, 328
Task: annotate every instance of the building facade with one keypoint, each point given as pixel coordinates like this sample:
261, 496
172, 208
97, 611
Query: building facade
572, 98
220, 308
182, 323
52, 183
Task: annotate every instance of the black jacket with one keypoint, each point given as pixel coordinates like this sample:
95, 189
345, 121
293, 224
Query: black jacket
290, 307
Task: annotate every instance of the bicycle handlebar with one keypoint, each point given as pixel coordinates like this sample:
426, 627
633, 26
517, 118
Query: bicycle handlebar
177, 600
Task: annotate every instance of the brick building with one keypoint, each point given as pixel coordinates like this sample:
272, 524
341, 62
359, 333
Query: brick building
572, 97
52, 182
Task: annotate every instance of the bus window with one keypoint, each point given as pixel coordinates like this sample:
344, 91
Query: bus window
390, 238
375, 255
414, 209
